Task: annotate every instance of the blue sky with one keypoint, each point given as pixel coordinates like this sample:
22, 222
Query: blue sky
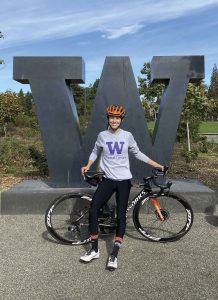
95, 29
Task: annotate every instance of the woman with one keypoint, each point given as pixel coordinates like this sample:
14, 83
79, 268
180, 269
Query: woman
113, 144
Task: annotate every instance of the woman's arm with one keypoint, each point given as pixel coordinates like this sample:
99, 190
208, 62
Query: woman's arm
133, 147
155, 164
87, 167
95, 152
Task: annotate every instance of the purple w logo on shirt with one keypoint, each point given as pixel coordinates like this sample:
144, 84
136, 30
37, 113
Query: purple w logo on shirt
116, 147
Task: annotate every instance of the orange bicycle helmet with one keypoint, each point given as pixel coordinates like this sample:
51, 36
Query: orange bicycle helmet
115, 111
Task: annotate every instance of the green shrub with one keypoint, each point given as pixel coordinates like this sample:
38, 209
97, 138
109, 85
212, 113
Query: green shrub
13, 153
39, 160
189, 155
212, 148
193, 129
203, 144
27, 121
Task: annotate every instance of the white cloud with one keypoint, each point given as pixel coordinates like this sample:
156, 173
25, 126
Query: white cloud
31, 21
118, 32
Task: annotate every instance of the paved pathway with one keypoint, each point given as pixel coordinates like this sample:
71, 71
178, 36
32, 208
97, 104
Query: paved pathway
33, 266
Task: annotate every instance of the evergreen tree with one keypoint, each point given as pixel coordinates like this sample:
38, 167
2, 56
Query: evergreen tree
84, 99
21, 97
212, 110
91, 93
1, 36
213, 88
26, 101
29, 103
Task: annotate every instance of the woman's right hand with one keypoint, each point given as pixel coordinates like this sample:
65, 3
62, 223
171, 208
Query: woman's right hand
84, 169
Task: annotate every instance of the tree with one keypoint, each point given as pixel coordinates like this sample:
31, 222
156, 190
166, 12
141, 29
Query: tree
150, 93
26, 101
91, 93
212, 109
1, 60
9, 109
193, 111
213, 94
213, 87
84, 99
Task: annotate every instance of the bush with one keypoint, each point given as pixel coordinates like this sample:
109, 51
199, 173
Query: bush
26, 121
203, 144
39, 160
13, 153
189, 155
212, 147
193, 128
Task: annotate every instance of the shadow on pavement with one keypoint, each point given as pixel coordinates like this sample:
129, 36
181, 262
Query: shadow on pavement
212, 220
46, 236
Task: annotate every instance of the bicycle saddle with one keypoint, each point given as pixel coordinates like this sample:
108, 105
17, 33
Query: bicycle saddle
93, 178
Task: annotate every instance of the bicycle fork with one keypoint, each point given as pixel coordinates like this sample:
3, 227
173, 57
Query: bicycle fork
157, 206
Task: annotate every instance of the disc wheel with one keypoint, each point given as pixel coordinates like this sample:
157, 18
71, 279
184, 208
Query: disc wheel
67, 219
174, 222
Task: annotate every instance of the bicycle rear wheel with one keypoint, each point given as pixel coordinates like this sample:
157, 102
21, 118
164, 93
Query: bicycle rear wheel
177, 218
67, 219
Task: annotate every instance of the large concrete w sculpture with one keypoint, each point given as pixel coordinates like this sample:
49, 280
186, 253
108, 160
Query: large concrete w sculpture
67, 151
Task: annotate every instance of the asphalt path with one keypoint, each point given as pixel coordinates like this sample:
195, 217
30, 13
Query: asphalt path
34, 266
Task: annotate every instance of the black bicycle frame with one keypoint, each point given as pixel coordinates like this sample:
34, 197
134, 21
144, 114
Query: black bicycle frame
144, 194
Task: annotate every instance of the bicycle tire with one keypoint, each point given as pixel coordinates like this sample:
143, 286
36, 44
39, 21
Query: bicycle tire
67, 218
178, 218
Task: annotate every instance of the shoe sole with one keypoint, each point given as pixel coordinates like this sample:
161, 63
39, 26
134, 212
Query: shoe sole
111, 268
87, 261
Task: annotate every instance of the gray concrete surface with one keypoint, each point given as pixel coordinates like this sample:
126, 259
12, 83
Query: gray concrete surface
34, 196
34, 266
211, 137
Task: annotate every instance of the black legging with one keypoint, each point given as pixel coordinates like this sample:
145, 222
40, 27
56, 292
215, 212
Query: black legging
103, 193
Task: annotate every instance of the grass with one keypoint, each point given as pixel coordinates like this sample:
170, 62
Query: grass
205, 127
208, 127
151, 125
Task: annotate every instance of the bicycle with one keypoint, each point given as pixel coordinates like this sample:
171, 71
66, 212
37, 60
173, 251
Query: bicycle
158, 215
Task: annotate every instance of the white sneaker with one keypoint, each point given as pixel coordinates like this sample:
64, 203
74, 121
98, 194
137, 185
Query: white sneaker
112, 263
90, 255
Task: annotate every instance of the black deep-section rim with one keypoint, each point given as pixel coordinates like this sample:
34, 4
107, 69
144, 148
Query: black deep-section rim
48, 218
187, 226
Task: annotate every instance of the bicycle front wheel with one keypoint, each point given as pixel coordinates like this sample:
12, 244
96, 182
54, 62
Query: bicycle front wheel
163, 219
67, 219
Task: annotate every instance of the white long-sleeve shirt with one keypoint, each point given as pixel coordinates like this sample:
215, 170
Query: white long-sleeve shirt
114, 149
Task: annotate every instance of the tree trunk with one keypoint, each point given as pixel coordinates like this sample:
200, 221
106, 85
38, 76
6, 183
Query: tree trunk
5, 129
85, 104
155, 115
188, 136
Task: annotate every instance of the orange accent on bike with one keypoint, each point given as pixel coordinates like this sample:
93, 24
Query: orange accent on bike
94, 237
117, 238
156, 204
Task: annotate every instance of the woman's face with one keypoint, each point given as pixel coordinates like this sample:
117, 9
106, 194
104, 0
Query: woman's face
114, 122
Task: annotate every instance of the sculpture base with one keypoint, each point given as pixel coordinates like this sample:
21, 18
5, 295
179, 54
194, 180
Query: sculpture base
34, 196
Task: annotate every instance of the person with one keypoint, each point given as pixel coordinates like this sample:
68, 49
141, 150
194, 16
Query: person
114, 145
